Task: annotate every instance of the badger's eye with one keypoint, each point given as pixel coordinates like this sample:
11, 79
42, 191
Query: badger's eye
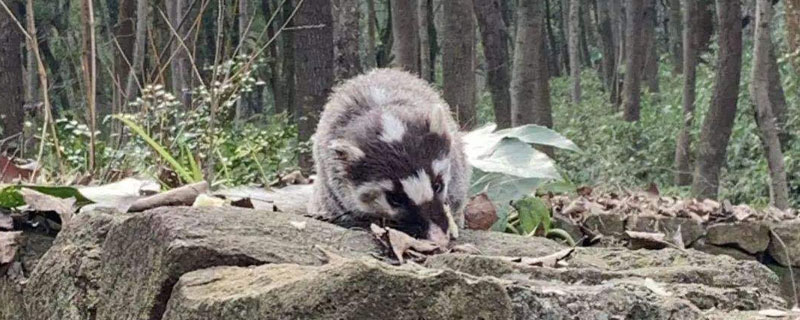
394, 199
438, 186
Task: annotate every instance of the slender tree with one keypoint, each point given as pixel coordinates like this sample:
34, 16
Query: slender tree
573, 25
765, 118
637, 13
651, 60
406, 38
371, 31
675, 30
90, 73
530, 89
11, 84
718, 124
131, 87
458, 60
424, 11
314, 70
345, 37
607, 42
495, 48
683, 175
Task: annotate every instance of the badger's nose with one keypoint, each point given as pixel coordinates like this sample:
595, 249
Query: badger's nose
438, 236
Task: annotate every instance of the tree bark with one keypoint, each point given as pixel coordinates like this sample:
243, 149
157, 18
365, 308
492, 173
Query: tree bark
406, 38
637, 14
530, 89
554, 50
607, 42
424, 11
314, 69
718, 124
181, 72
765, 118
675, 25
683, 175
573, 25
288, 63
778, 98
125, 34
495, 48
11, 84
90, 73
458, 58
131, 88
651, 62
371, 30
345, 36
705, 24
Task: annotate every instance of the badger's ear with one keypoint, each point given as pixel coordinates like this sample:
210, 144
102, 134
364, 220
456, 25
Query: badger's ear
437, 119
346, 151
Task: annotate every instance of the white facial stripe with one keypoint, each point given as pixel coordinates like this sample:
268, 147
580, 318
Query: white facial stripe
441, 166
437, 120
418, 187
393, 128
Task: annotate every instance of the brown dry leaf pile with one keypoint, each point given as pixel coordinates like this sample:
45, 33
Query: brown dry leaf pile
651, 203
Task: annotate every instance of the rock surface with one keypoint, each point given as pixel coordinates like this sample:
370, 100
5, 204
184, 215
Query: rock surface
225, 263
750, 237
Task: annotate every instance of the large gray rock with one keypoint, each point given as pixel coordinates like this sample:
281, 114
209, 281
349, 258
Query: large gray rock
65, 282
146, 254
352, 289
785, 244
752, 237
105, 266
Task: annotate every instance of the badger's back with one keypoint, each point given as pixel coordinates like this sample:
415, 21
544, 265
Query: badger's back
357, 114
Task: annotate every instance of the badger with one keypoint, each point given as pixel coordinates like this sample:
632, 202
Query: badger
386, 149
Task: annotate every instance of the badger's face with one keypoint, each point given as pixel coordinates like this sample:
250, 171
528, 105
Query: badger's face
400, 170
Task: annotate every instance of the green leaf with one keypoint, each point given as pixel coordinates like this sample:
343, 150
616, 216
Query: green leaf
182, 171
10, 196
502, 189
536, 134
517, 158
532, 212
197, 173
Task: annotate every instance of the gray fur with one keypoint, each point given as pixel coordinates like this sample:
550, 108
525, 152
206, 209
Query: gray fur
351, 122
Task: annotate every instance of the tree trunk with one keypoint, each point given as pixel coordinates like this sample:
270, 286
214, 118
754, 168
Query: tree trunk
243, 106
31, 73
125, 34
675, 32
181, 72
288, 63
573, 25
793, 30
718, 124
778, 98
705, 24
495, 48
608, 66
554, 52
651, 62
11, 84
371, 30
530, 89
586, 34
638, 13
564, 27
617, 28
424, 10
683, 175
347, 63
406, 36
131, 87
760, 93
89, 63
314, 68
458, 58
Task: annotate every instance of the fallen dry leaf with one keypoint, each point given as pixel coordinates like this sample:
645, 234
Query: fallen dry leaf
40, 202
656, 287
185, 196
205, 200
300, 225
652, 189
551, 261
9, 244
120, 195
584, 191
647, 240
480, 212
295, 177
402, 243
466, 248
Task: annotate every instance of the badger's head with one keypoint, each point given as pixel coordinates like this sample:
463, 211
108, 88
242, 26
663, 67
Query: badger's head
397, 166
